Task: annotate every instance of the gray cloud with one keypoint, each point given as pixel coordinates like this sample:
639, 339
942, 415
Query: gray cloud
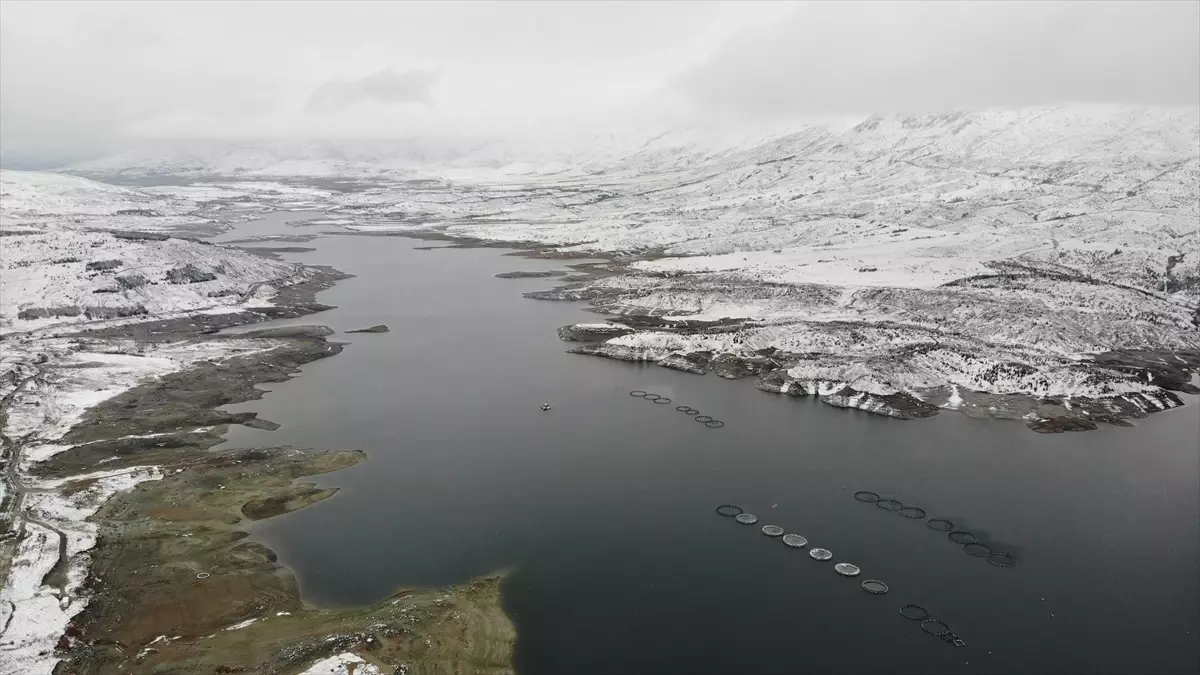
386, 86
86, 78
855, 58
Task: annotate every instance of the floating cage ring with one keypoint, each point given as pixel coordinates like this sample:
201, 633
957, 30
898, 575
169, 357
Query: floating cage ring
939, 524
203, 575
651, 397
866, 497
847, 570
1001, 559
730, 510
962, 537
683, 408
913, 512
703, 418
714, 424
914, 612
794, 540
746, 518
890, 504
772, 530
977, 549
663, 400
692, 411
928, 624
637, 392
874, 587
820, 554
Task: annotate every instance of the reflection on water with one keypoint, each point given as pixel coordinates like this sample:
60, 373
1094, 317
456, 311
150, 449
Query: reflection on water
604, 506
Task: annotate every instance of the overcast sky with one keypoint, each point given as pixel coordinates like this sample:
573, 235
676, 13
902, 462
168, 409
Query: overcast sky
81, 78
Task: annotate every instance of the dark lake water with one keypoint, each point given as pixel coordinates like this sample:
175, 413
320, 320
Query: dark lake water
604, 506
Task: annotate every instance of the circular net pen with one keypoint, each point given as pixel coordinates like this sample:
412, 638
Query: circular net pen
637, 392
703, 418
1001, 559
935, 627
874, 587
684, 408
914, 612
772, 530
794, 541
889, 504
939, 524
746, 518
866, 497
847, 570
962, 537
651, 397
692, 411
912, 512
977, 549
730, 510
663, 400
820, 554
714, 424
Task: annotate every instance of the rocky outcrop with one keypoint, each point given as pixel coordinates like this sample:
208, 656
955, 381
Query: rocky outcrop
734, 367
901, 405
380, 328
530, 275
695, 362
618, 352
101, 265
568, 293
292, 332
115, 312
189, 274
1169, 369
591, 332
30, 313
133, 235
1059, 424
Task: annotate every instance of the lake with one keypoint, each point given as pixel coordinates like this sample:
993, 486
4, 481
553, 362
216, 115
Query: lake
603, 507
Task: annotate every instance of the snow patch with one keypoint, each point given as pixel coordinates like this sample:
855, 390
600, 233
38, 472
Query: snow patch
342, 664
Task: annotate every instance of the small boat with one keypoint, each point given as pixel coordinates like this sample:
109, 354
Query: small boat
545, 406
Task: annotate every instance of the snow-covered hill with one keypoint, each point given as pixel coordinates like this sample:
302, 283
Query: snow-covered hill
921, 255
75, 250
32, 196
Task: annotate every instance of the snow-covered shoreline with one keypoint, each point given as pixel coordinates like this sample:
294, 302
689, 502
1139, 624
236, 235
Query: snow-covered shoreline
84, 255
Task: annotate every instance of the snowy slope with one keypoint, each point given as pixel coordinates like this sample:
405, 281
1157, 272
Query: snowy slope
75, 250
38, 196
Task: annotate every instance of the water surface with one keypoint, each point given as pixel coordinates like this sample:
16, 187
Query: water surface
603, 507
